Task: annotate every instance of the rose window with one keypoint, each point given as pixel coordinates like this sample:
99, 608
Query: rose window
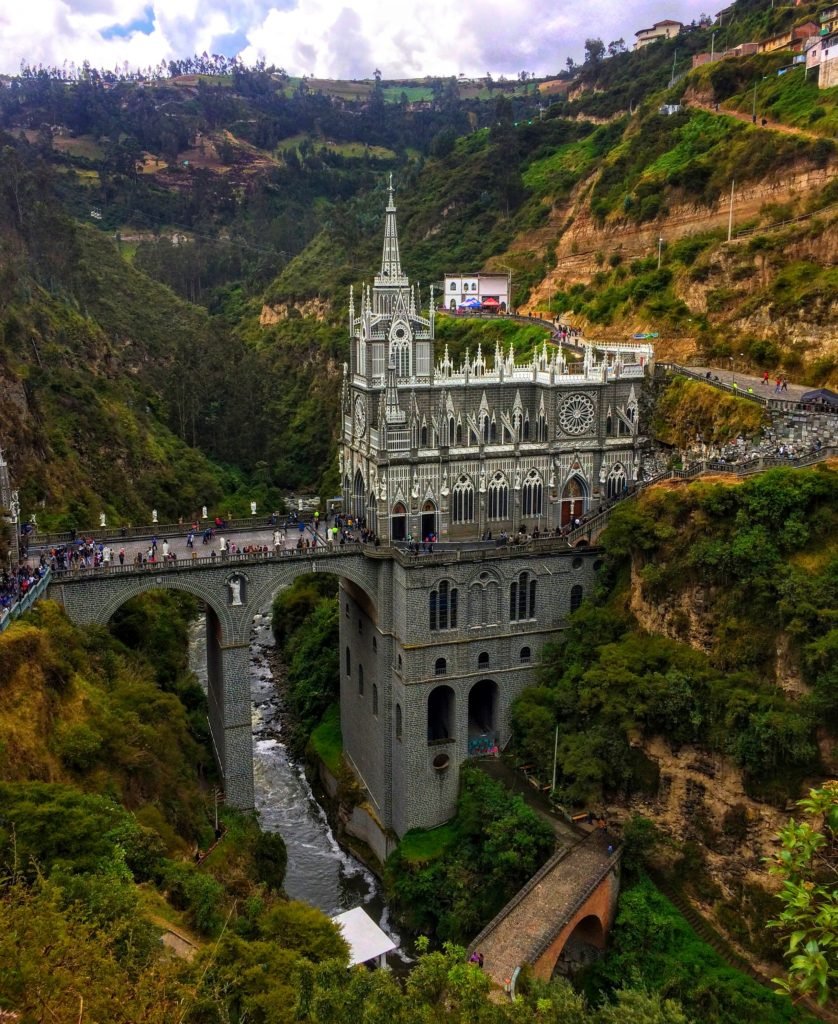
576, 414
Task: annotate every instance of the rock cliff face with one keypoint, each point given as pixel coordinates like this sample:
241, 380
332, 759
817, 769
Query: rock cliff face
317, 309
730, 294
688, 617
701, 798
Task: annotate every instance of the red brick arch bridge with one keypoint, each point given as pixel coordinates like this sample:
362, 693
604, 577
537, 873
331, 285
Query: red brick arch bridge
560, 919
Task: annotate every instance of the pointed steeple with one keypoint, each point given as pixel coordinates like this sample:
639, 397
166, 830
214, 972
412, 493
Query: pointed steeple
391, 267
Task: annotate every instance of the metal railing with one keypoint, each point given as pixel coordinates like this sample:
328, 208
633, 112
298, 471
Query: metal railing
768, 401
25, 602
170, 565
116, 534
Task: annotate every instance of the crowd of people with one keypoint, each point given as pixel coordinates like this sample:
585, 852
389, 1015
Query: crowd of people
16, 581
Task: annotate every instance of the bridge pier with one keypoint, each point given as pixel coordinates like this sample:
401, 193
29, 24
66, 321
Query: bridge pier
228, 697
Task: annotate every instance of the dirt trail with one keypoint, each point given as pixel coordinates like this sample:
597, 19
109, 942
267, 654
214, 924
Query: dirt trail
739, 115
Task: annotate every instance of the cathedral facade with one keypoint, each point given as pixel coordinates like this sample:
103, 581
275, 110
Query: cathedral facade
488, 446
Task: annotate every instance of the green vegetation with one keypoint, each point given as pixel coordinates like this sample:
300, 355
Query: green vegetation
450, 882
692, 155
791, 98
464, 333
688, 409
807, 866
654, 946
79, 709
327, 742
606, 680
305, 623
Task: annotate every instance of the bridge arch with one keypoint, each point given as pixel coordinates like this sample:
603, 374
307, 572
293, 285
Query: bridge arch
582, 935
584, 945
356, 570
149, 582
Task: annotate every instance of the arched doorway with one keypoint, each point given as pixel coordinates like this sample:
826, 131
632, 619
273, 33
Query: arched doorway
429, 527
574, 499
482, 717
358, 500
584, 945
398, 522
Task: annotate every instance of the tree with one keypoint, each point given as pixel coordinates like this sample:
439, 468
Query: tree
808, 867
594, 51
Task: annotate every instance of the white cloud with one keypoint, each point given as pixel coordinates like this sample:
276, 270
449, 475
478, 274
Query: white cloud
328, 38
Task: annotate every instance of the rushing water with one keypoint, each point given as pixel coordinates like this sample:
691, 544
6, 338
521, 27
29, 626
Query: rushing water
319, 871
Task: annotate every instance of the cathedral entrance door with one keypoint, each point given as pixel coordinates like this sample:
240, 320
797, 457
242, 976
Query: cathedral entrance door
398, 522
429, 527
573, 500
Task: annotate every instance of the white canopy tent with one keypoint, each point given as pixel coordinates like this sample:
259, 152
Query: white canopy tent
366, 940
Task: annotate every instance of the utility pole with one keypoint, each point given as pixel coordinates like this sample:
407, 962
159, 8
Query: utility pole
712, 46
730, 214
660, 250
555, 760
754, 112
672, 76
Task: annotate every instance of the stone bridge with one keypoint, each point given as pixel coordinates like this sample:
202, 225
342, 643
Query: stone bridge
560, 919
234, 590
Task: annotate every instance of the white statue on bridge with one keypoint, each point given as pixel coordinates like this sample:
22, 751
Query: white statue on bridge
154, 515
235, 585
253, 508
204, 512
103, 522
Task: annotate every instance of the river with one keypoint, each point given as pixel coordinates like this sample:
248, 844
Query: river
319, 871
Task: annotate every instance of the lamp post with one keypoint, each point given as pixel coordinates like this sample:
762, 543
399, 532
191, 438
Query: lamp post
712, 46
660, 250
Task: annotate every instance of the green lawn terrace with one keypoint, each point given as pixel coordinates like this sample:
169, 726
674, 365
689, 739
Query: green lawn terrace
410, 90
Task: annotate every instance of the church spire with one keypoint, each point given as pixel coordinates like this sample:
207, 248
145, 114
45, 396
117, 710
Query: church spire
391, 267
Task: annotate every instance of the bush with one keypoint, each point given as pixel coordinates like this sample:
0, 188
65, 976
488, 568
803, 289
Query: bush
198, 894
492, 847
271, 857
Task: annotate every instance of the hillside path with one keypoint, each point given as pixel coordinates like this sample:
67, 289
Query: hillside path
744, 381
739, 115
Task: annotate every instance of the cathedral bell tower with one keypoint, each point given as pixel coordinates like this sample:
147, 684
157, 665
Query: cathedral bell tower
391, 351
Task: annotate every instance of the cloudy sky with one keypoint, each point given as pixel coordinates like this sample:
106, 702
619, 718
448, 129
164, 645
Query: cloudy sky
326, 38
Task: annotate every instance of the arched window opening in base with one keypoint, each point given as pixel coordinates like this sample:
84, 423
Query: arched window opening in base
482, 718
440, 714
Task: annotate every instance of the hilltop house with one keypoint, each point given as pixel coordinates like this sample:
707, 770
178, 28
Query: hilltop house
660, 30
742, 50
459, 288
791, 39
829, 20
828, 74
